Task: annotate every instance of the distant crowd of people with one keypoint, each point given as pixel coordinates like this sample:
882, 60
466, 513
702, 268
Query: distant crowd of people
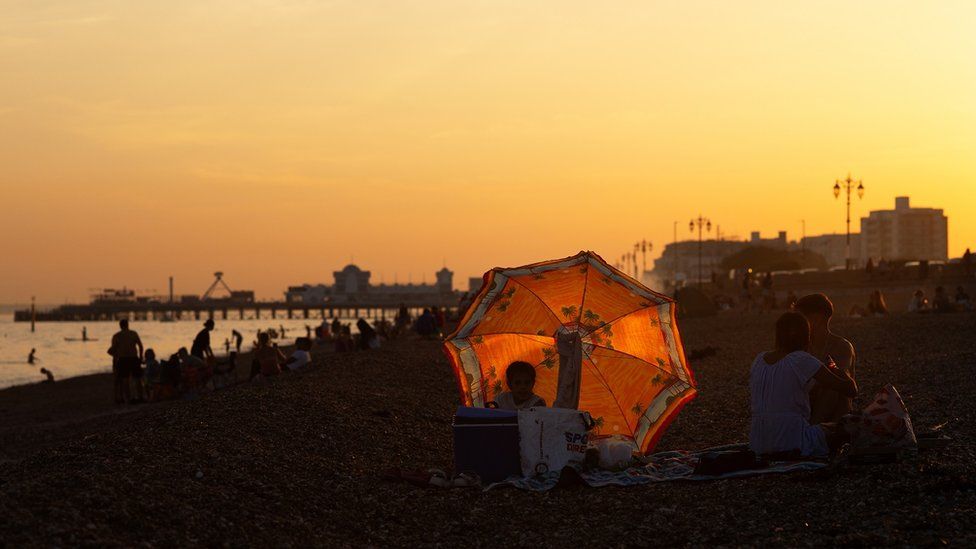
941, 302
919, 303
757, 294
140, 375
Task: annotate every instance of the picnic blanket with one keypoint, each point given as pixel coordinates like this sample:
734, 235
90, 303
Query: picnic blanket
659, 467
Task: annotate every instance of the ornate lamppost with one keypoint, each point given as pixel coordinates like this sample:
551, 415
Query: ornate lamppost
701, 223
848, 185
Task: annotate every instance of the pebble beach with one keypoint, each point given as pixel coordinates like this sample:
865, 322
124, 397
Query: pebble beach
299, 461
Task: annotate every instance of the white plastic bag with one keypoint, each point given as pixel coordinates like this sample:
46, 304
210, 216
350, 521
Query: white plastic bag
551, 438
883, 423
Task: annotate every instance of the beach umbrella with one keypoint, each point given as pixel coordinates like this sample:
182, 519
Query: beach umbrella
634, 378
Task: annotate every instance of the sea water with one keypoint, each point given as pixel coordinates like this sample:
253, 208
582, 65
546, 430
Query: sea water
73, 358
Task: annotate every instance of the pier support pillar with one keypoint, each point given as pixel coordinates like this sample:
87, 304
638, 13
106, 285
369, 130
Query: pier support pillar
274, 313
289, 313
305, 312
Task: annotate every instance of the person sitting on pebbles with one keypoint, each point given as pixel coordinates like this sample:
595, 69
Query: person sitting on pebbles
520, 377
267, 356
302, 355
778, 384
831, 349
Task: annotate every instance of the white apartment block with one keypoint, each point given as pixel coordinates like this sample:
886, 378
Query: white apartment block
905, 233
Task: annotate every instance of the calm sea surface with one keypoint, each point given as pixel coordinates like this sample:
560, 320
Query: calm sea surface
73, 358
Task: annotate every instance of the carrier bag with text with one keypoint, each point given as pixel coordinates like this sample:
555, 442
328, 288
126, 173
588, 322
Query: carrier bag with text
551, 438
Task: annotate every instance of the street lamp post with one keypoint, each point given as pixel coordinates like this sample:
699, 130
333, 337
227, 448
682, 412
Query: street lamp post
701, 223
848, 185
636, 249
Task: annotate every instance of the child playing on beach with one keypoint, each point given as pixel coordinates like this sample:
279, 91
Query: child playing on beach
226, 372
520, 377
153, 373
169, 378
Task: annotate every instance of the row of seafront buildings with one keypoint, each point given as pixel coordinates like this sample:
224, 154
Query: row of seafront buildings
352, 285
901, 234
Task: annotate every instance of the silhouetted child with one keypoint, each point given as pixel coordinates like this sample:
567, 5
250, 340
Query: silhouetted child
223, 371
154, 372
343, 339
169, 378
520, 377
50, 376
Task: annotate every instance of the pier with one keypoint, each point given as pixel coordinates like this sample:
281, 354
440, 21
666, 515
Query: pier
352, 297
224, 311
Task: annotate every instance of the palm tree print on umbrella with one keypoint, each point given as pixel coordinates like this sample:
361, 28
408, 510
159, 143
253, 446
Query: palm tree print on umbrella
569, 311
505, 299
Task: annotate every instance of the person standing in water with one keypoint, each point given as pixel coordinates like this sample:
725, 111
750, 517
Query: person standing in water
238, 339
31, 358
84, 333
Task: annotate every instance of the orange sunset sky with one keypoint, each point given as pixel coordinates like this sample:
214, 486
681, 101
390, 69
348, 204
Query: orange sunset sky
274, 140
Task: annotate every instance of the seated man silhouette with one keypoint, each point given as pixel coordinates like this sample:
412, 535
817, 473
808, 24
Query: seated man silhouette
826, 405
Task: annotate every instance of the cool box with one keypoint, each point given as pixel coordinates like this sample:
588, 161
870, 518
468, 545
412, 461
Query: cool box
486, 442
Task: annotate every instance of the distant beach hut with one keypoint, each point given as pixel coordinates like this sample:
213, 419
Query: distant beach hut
635, 378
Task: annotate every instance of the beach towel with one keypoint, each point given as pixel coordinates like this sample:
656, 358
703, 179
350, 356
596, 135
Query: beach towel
659, 467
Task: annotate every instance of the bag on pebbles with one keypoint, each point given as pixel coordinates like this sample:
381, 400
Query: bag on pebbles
551, 438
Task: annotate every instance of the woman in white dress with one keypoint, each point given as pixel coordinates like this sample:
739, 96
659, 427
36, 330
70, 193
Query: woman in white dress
780, 385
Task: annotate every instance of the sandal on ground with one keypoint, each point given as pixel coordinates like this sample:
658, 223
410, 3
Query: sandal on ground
439, 478
466, 480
